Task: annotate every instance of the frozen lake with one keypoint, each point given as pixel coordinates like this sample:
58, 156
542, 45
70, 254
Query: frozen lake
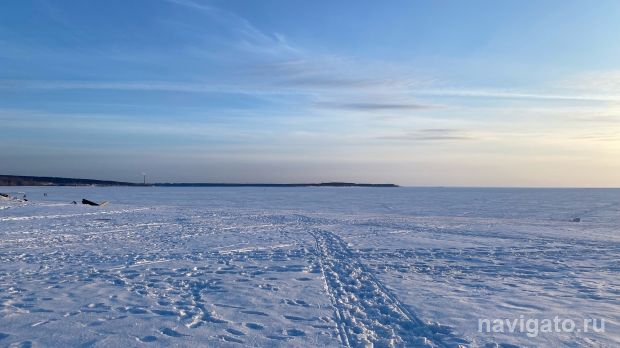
306, 267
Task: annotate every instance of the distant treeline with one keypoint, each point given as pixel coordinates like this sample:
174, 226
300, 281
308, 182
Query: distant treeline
14, 180
324, 184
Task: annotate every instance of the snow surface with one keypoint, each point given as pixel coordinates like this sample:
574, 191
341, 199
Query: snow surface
306, 267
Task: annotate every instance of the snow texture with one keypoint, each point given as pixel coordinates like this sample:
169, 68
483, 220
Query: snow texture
305, 267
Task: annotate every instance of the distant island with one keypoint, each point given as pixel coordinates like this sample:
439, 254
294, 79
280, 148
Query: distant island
17, 180
322, 184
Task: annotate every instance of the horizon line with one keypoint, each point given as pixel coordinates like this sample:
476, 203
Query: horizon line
292, 184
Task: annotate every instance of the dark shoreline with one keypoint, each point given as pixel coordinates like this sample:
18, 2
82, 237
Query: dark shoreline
17, 180
323, 184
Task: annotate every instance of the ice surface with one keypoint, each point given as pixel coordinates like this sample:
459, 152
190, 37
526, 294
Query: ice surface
268, 267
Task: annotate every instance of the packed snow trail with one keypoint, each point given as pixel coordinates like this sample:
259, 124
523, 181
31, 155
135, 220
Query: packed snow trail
366, 312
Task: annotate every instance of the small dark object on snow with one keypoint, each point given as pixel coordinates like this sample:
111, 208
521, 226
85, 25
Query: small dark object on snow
87, 202
74, 202
576, 219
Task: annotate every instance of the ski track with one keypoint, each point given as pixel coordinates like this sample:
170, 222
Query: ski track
367, 313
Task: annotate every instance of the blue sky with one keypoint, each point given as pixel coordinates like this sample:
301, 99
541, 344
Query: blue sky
473, 93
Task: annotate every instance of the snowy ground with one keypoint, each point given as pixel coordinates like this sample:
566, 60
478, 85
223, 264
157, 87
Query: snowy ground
306, 266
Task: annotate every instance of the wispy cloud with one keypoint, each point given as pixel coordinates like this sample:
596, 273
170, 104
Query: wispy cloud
101, 123
317, 72
275, 65
605, 136
301, 84
322, 89
606, 82
103, 85
598, 119
433, 134
272, 65
374, 106
248, 36
500, 94
192, 4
